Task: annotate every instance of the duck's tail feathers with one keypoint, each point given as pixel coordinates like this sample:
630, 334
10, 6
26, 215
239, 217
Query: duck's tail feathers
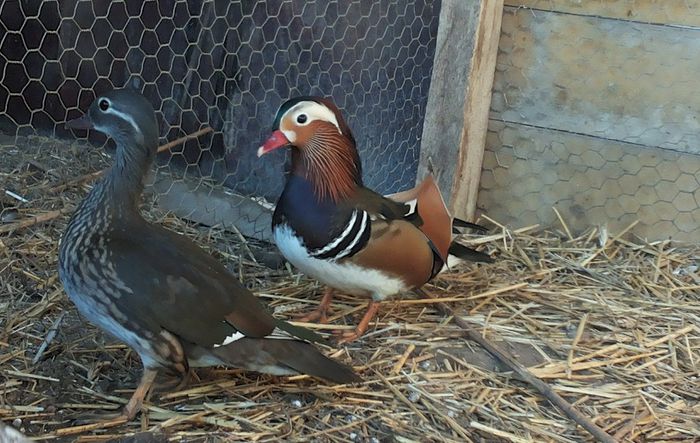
465, 253
300, 333
459, 223
283, 357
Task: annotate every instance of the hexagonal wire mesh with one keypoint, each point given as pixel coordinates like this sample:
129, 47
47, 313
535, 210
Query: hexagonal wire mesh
597, 117
228, 65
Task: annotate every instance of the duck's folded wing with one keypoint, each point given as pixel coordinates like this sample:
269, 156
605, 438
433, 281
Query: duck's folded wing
385, 208
421, 206
174, 283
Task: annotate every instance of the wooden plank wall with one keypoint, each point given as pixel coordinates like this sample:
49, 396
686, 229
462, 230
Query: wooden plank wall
456, 119
596, 111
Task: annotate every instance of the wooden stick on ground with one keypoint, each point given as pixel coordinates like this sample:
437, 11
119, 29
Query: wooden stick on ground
31, 221
542, 387
49, 338
98, 174
47, 216
76, 181
91, 427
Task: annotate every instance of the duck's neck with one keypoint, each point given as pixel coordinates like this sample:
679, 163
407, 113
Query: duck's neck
331, 164
118, 194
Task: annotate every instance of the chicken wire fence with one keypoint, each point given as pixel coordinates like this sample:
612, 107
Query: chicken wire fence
227, 65
595, 113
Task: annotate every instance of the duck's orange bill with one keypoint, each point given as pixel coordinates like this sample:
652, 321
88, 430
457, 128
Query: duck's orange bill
276, 140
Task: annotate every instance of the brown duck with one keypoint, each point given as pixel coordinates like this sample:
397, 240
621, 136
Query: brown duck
157, 291
331, 227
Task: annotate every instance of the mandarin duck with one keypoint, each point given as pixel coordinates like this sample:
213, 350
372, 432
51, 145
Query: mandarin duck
157, 291
331, 227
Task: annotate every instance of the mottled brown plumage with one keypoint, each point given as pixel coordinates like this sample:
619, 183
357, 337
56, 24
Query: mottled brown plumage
157, 291
349, 237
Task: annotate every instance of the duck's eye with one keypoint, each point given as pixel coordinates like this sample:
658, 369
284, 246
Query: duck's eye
302, 118
104, 104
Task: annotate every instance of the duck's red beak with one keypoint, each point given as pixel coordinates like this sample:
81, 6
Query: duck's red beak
276, 140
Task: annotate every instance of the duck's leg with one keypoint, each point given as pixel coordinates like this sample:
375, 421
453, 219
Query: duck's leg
129, 411
185, 380
136, 401
361, 328
175, 383
323, 309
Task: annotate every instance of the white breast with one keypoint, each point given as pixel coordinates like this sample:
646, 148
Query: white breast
342, 275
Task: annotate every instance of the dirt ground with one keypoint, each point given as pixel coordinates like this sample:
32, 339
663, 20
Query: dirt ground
611, 323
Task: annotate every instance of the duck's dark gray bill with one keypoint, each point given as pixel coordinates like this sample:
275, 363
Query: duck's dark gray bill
83, 122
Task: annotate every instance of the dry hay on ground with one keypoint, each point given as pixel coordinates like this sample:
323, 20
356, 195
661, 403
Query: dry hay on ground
613, 328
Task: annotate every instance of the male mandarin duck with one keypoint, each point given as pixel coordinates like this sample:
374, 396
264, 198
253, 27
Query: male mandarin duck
331, 227
157, 291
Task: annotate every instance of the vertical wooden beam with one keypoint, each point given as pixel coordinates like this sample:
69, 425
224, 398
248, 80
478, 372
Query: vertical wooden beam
456, 121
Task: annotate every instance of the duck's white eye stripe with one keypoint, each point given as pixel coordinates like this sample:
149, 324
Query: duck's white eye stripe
126, 117
314, 111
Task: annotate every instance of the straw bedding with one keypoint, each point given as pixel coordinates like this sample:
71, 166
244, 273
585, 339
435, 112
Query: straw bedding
611, 322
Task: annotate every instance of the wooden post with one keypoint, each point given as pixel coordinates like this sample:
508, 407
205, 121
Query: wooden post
456, 120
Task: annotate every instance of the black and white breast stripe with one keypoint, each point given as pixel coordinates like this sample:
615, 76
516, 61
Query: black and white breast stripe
353, 238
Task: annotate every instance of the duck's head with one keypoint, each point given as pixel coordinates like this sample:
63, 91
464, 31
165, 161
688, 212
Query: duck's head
323, 147
301, 121
124, 115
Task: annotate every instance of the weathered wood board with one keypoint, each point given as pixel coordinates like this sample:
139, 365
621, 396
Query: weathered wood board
597, 117
456, 119
444, 116
591, 181
670, 12
620, 80
465, 183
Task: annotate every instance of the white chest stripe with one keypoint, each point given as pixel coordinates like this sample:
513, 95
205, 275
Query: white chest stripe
358, 236
345, 276
339, 238
344, 244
